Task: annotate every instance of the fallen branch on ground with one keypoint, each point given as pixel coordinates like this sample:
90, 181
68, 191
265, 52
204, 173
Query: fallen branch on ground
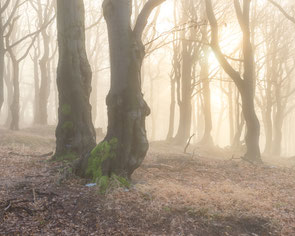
188, 143
31, 155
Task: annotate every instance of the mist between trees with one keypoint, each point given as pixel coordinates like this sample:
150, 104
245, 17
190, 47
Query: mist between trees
222, 70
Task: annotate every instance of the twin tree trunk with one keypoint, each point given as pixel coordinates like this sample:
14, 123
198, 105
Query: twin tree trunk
75, 135
126, 107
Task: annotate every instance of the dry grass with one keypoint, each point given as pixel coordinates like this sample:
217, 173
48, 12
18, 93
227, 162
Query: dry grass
172, 194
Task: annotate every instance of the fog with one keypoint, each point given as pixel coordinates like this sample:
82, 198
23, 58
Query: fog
168, 28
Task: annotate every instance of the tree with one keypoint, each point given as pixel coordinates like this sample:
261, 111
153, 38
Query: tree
4, 24
206, 93
127, 108
44, 15
185, 83
75, 135
281, 9
245, 83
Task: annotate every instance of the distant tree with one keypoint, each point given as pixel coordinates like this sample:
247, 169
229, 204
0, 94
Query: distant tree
44, 13
5, 22
283, 11
245, 83
75, 134
206, 92
189, 52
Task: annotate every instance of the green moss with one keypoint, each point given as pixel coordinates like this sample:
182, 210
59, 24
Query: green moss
66, 109
122, 181
103, 184
68, 125
99, 154
103, 151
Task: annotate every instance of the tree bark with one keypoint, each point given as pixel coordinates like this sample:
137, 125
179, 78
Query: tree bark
75, 134
127, 108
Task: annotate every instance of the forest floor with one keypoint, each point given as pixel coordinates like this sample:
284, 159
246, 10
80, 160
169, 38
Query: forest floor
206, 193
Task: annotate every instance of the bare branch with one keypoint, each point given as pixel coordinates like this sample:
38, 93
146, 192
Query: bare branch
2, 9
143, 16
292, 19
216, 48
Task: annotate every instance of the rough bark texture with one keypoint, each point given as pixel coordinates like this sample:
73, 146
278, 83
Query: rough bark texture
126, 107
75, 133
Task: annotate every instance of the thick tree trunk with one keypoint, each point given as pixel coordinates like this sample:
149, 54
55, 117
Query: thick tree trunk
75, 135
93, 99
153, 131
126, 107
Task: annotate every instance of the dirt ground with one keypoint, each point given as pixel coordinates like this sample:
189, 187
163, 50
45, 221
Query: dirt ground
205, 193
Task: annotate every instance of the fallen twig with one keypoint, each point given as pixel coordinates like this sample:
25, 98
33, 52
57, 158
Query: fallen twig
31, 155
188, 143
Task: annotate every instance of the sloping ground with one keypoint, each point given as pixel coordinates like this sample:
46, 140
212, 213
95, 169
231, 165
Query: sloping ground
171, 194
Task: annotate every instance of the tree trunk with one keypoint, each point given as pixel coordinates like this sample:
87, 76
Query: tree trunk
127, 108
75, 135
204, 76
9, 89
184, 102
231, 113
246, 83
268, 129
45, 81
172, 111
253, 126
2, 53
278, 125
36, 89
14, 107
